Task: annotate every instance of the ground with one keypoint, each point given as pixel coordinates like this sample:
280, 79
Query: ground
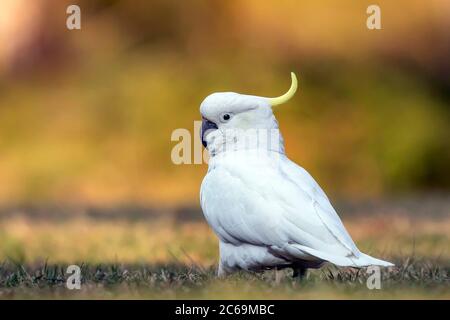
173, 254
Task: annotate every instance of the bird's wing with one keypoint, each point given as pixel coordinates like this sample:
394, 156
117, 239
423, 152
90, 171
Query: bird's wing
321, 203
275, 204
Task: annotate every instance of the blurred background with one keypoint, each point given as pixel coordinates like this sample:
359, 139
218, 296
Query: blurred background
87, 115
86, 118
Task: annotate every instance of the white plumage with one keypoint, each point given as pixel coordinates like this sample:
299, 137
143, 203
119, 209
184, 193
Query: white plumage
267, 211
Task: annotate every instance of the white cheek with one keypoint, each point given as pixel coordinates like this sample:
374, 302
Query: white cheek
243, 121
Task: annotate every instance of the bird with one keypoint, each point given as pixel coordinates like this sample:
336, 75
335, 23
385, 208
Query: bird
267, 211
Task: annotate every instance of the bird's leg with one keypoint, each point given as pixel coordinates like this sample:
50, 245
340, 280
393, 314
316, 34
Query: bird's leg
278, 275
299, 272
222, 272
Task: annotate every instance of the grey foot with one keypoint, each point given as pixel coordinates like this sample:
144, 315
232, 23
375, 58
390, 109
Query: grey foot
299, 272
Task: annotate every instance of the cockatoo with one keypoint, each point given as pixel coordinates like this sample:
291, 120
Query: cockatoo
267, 211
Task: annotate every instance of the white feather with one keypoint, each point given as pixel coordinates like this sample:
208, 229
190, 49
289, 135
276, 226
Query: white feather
266, 210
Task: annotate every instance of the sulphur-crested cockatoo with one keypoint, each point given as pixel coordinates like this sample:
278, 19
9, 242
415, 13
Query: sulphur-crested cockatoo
267, 211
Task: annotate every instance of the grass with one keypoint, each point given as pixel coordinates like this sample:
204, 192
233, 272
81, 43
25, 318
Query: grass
410, 279
130, 253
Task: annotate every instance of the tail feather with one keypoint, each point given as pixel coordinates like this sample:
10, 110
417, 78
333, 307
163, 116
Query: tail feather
371, 261
363, 260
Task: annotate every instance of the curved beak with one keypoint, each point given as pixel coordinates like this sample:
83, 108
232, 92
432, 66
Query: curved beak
206, 125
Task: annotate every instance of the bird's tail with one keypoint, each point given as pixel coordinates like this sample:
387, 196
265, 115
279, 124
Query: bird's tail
359, 261
365, 260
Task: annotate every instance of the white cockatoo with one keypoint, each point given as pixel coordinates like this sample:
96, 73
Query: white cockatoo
267, 211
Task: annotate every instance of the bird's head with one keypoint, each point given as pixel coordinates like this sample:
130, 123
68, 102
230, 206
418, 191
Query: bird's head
229, 111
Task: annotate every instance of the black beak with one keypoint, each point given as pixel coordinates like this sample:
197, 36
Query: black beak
206, 125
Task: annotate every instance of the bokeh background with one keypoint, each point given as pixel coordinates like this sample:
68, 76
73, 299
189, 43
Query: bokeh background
86, 118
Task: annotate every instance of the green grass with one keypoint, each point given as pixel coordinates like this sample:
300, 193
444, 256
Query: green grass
135, 253
411, 278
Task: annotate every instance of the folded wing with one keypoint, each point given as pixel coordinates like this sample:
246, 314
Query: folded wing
279, 205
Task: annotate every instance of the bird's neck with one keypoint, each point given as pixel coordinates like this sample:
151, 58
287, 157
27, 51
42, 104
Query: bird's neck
232, 140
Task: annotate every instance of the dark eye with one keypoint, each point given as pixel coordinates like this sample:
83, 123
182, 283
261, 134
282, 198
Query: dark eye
226, 117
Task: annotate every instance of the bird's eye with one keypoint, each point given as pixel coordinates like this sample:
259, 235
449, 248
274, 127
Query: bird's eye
226, 117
